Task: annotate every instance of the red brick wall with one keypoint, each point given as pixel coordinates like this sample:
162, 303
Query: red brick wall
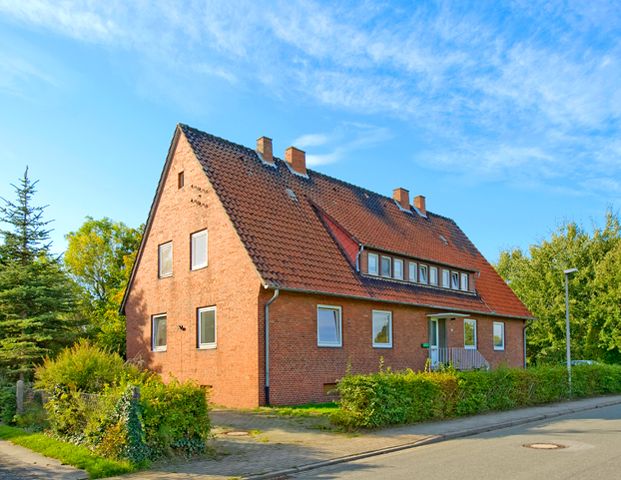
230, 282
299, 368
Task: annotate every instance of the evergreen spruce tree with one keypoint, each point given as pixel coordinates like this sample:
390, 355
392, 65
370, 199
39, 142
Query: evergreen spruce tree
36, 295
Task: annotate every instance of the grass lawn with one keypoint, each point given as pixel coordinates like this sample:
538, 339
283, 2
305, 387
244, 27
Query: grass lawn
306, 410
68, 453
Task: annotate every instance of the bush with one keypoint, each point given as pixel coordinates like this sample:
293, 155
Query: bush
386, 398
7, 403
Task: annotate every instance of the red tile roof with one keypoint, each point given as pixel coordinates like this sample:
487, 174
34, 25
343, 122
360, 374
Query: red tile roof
295, 230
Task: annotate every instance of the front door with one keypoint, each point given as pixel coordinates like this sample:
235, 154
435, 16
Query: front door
434, 337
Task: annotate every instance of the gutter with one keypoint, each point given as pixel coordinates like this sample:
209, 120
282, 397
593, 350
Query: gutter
267, 345
524, 337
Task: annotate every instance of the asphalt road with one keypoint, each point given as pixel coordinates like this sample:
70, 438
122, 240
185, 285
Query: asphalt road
592, 442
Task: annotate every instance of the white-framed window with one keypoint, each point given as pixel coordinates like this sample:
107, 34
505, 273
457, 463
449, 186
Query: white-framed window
382, 329
372, 264
398, 269
158, 333
329, 326
165, 259
206, 327
455, 280
470, 334
433, 275
499, 336
423, 274
198, 246
446, 278
386, 267
464, 282
412, 272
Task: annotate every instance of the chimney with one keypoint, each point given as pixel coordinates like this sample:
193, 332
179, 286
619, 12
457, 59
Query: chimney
402, 197
419, 203
264, 147
296, 159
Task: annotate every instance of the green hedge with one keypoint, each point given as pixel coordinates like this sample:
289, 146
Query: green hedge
387, 398
118, 411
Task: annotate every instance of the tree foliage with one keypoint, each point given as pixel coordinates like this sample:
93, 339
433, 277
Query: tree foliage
36, 295
595, 291
100, 255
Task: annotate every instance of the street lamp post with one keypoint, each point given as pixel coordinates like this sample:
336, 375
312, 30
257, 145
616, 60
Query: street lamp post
567, 332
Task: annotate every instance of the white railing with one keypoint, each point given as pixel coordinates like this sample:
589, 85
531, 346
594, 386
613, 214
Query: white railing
459, 358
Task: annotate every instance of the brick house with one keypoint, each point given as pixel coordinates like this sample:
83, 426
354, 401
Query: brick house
264, 280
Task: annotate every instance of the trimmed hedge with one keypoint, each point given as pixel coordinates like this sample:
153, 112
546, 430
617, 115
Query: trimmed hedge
388, 398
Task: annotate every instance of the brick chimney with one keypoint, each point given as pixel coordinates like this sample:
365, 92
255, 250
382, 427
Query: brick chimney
296, 159
402, 197
264, 147
419, 203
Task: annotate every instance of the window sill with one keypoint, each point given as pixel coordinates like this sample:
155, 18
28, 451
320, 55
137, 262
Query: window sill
207, 346
382, 346
469, 348
330, 345
498, 349
165, 276
159, 349
202, 267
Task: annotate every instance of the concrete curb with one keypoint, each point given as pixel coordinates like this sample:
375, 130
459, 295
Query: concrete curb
431, 439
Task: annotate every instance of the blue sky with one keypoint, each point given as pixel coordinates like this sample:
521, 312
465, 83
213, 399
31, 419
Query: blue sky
506, 115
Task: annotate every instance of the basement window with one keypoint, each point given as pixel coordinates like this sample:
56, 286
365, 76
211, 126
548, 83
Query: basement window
158, 333
329, 332
373, 267
386, 267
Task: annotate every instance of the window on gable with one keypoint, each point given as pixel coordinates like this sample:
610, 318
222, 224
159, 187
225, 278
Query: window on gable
470, 334
423, 274
412, 272
386, 267
464, 282
433, 275
398, 269
455, 280
198, 250
372, 266
165, 255
158, 333
329, 333
446, 278
382, 329
180, 180
499, 336
207, 327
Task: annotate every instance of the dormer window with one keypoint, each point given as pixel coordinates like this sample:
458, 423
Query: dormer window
433, 276
446, 278
398, 269
386, 267
455, 280
412, 272
423, 274
372, 264
464, 282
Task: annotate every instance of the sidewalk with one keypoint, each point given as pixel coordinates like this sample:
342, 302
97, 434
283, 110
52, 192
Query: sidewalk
257, 446
18, 463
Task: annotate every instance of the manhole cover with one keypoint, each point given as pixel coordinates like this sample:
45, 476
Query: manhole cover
237, 434
544, 446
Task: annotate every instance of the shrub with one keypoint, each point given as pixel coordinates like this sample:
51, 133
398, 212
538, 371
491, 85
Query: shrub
7, 403
386, 398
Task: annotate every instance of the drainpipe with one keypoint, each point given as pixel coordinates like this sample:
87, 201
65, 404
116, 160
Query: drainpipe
524, 337
267, 345
358, 257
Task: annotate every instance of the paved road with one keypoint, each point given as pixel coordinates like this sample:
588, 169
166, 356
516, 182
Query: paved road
18, 463
593, 451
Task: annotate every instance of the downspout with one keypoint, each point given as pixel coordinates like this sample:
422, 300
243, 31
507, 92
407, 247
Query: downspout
267, 345
524, 337
358, 257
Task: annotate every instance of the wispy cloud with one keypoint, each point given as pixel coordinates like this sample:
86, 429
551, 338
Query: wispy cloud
493, 93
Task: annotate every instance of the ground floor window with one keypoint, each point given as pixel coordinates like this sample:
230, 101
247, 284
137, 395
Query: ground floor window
207, 327
329, 332
382, 329
158, 333
499, 336
470, 333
